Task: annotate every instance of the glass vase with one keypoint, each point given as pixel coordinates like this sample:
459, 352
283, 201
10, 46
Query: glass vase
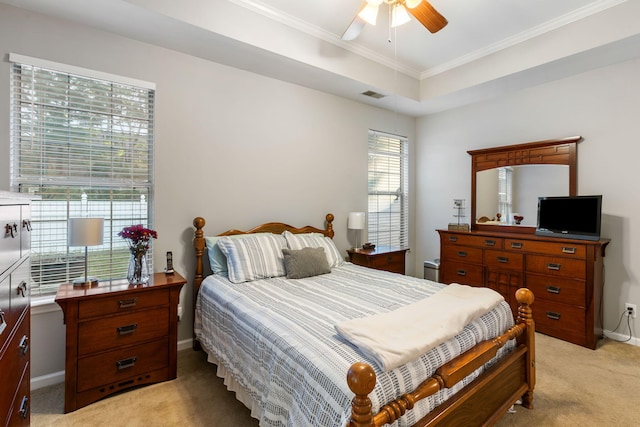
138, 273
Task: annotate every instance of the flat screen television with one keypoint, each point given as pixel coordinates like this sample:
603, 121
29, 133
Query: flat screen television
572, 217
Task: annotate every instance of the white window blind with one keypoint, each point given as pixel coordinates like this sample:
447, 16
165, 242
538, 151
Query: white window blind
85, 146
388, 213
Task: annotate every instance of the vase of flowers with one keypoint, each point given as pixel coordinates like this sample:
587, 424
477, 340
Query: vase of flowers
139, 238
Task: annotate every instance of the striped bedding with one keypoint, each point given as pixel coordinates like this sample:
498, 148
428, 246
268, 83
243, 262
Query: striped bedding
276, 338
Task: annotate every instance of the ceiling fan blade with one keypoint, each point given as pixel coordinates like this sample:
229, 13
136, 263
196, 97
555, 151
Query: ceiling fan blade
428, 16
354, 29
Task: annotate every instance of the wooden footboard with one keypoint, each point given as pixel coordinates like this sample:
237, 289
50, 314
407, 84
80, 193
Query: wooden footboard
482, 402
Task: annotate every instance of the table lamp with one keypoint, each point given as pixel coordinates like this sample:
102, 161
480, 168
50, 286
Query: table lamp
85, 232
355, 221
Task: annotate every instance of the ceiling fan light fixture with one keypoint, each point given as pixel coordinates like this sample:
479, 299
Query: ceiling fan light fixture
412, 3
399, 16
370, 13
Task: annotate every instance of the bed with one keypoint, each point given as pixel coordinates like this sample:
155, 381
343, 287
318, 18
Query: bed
288, 363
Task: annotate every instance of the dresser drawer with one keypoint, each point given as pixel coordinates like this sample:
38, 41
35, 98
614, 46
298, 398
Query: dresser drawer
9, 236
502, 259
122, 303
555, 266
548, 248
463, 273
471, 240
567, 291
20, 290
19, 413
560, 320
13, 363
128, 329
118, 365
463, 254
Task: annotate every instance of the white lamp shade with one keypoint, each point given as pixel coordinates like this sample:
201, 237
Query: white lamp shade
399, 16
369, 13
85, 231
355, 221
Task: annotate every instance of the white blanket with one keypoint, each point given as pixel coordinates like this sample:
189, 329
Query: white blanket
396, 337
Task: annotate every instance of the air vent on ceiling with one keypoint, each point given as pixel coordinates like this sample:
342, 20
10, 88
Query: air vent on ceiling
373, 94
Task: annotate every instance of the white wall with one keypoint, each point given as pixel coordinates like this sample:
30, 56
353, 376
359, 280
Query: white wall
602, 106
237, 148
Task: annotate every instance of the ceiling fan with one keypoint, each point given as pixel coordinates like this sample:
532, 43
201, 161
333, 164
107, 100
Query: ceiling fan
420, 9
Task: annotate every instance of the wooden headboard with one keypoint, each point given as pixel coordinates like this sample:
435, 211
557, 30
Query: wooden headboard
270, 227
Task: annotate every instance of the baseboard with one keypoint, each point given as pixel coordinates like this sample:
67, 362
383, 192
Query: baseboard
622, 338
47, 380
185, 344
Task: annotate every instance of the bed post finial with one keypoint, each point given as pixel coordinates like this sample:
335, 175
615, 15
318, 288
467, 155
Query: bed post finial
329, 219
361, 379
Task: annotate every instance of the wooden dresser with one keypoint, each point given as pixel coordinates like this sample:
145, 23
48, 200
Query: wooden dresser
119, 336
381, 258
565, 275
15, 269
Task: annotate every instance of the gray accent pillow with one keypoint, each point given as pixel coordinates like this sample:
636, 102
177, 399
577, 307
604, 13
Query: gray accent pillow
305, 262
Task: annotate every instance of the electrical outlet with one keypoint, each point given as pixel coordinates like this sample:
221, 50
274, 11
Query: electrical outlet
630, 309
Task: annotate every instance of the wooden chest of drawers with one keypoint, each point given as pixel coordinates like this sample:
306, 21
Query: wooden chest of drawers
119, 336
565, 275
15, 297
380, 258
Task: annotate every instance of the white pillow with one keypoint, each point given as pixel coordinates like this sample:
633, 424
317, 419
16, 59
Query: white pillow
315, 240
258, 256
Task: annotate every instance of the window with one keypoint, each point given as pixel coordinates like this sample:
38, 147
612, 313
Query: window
388, 209
83, 142
505, 192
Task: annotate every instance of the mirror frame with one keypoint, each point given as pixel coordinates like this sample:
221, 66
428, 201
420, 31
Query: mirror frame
562, 151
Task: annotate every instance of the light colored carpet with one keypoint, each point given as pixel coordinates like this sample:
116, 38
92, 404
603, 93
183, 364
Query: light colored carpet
575, 387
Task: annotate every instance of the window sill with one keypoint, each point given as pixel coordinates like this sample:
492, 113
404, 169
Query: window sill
46, 304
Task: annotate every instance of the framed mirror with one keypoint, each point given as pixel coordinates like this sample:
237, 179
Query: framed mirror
507, 181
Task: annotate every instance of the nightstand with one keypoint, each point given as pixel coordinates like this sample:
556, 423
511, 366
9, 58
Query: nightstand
381, 258
119, 336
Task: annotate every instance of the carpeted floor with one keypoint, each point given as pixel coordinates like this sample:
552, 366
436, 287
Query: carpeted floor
575, 387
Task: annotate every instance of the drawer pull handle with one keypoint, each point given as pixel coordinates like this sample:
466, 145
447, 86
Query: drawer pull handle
461, 273
127, 303
516, 245
11, 230
490, 242
553, 316
22, 289
462, 254
24, 345
555, 267
389, 258
24, 407
553, 289
126, 363
503, 259
26, 224
125, 330
453, 238
568, 250
3, 324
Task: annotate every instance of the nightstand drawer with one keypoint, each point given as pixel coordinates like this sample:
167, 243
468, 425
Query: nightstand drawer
129, 329
121, 364
393, 262
557, 289
122, 303
14, 362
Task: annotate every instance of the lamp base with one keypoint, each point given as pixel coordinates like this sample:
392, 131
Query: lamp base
85, 282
